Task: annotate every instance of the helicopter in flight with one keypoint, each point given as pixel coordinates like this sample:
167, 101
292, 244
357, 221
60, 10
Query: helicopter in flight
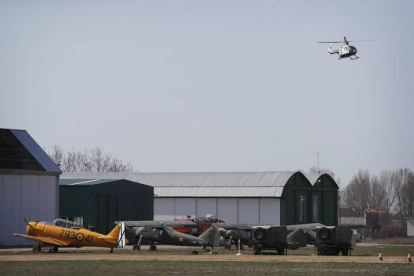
346, 50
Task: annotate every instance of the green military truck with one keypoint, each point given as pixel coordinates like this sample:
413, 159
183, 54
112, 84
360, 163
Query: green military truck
332, 240
269, 238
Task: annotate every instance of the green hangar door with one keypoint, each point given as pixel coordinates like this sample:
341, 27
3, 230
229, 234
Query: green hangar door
101, 202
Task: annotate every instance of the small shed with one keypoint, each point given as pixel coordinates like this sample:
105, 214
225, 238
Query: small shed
101, 202
371, 217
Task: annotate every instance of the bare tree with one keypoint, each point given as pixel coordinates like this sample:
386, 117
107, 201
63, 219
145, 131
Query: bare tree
404, 179
388, 182
56, 154
95, 160
364, 192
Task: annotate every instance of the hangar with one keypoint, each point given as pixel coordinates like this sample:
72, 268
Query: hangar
101, 202
324, 198
29, 185
277, 198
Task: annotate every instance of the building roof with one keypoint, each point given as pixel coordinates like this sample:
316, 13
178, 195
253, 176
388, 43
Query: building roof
315, 178
202, 184
19, 152
84, 182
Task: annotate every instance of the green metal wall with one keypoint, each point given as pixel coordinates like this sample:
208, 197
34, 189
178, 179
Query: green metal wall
74, 201
101, 205
297, 185
326, 191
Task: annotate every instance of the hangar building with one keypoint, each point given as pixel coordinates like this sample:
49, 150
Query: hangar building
29, 185
101, 202
278, 198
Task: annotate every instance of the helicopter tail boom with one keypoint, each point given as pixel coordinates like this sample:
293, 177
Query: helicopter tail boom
329, 51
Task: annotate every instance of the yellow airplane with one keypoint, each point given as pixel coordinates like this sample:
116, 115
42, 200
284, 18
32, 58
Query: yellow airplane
64, 233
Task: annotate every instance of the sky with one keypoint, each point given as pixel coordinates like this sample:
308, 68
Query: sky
202, 86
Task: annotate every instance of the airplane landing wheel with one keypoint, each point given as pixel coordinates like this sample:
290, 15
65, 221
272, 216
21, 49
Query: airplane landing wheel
136, 247
153, 247
112, 250
36, 248
53, 249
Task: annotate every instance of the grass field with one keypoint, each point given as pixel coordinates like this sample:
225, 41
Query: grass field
179, 261
360, 250
198, 268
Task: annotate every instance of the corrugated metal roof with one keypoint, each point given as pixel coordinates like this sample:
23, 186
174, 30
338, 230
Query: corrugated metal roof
218, 191
84, 182
202, 184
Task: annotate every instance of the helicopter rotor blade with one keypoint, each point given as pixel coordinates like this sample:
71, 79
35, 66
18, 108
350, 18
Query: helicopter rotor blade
330, 42
361, 40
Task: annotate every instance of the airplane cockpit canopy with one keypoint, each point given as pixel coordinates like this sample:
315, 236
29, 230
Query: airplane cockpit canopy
67, 223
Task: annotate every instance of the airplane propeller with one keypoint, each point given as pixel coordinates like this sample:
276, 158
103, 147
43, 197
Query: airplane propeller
29, 224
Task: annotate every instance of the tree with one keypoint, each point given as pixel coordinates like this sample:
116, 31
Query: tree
365, 192
388, 182
95, 160
404, 179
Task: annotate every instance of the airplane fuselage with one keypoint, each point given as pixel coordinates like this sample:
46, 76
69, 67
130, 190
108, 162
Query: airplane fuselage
71, 237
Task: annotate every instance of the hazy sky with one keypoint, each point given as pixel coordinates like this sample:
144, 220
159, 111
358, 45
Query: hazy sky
187, 86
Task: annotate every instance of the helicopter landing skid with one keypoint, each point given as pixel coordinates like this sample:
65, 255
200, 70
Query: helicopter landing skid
355, 57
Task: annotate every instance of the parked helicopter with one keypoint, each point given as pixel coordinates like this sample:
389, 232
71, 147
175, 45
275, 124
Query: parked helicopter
346, 50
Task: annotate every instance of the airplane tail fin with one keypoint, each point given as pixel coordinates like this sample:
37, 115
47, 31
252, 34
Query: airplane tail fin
212, 235
117, 235
298, 237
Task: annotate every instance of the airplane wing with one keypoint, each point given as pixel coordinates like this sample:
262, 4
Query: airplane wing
42, 240
156, 223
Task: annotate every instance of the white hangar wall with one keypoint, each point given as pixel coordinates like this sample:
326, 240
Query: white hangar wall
34, 197
230, 210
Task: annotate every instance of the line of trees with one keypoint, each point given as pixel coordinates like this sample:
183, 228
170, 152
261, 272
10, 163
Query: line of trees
95, 160
391, 193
